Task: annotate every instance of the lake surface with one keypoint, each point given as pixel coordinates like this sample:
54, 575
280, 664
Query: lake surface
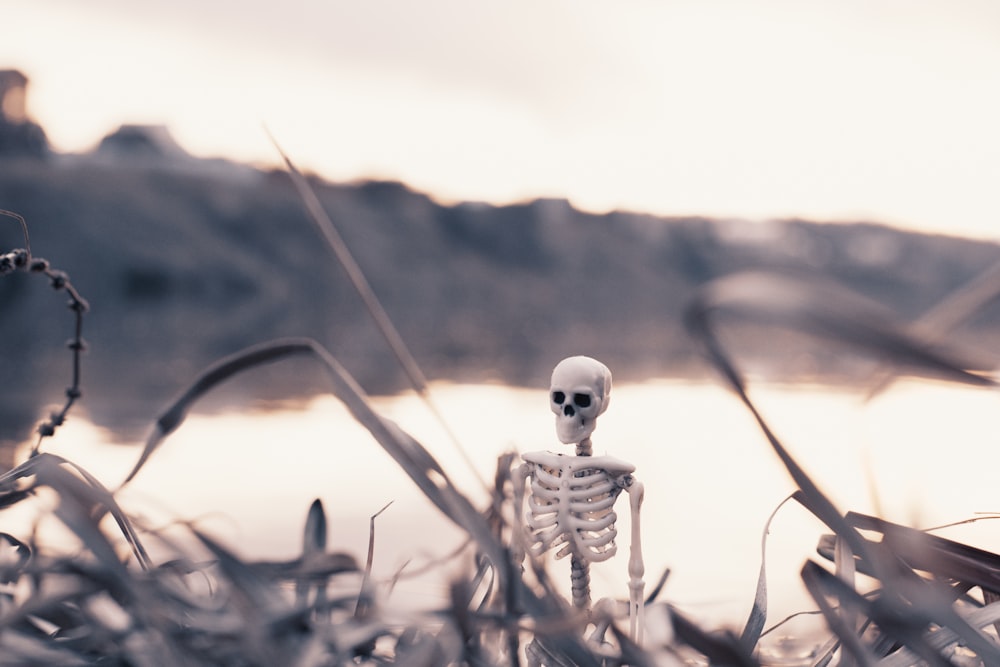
922, 454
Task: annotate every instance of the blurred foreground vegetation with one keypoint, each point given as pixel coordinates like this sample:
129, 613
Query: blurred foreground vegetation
889, 595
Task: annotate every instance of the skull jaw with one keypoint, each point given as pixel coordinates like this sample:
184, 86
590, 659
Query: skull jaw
573, 430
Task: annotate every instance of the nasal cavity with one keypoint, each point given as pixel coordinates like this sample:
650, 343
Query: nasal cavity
568, 410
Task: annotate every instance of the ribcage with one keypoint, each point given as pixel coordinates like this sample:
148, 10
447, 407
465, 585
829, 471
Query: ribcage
573, 510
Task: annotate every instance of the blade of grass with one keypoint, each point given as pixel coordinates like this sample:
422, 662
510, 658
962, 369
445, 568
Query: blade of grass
758, 612
314, 535
958, 307
371, 301
945, 558
822, 310
945, 637
826, 311
259, 604
821, 585
412, 457
214, 375
85, 490
699, 323
313, 549
24, 228
906, 595
365, 594
723, 650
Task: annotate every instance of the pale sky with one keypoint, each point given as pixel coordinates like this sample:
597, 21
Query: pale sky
841, 110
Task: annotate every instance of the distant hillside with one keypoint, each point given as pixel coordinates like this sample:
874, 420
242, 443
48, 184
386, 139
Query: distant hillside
185, 260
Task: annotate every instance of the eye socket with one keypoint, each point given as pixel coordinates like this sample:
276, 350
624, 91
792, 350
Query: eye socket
558, 397
581, 400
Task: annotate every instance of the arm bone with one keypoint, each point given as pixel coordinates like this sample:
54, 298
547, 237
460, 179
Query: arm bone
636, 567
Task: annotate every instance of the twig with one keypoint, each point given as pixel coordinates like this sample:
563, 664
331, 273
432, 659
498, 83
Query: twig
21, 260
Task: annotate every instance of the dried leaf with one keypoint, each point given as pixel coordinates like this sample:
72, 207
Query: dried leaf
758, 612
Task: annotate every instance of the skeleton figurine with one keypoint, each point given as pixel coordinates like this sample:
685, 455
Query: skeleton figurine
571, 498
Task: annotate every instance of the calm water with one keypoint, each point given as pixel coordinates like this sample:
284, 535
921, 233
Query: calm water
923, 455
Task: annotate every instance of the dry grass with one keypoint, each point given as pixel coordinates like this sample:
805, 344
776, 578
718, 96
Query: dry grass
892, 596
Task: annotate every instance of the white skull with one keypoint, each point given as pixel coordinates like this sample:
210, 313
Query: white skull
579, 392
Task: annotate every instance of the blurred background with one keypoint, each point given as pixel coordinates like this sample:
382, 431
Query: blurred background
520, 181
